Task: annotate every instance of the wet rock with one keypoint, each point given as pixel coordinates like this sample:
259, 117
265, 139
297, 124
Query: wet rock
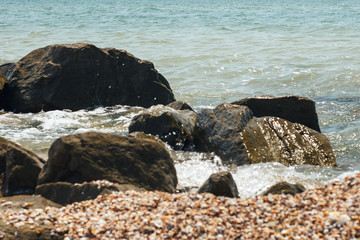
218, 131
146, 136
78, 76
220, 184
66, 193
19, 168
230, 131
292, 108
174, 127
285, 188
180, 105
272, 139
3, 82
125, 160
7, 69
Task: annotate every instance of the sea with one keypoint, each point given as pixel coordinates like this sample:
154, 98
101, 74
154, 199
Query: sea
211, 52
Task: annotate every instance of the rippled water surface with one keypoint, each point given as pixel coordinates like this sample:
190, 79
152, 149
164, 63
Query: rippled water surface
210, 52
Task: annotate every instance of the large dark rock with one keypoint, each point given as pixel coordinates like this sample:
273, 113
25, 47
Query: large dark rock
175, 127
272, 139
285, 188
220, 184
292, 108
78, 76
124, 160
230, 131
66, 193
218, 131
19, 168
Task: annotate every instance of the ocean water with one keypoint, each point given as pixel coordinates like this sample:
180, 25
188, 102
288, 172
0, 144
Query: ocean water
210, 52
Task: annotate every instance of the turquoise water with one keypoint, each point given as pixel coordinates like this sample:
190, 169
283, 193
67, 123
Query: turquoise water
210, 52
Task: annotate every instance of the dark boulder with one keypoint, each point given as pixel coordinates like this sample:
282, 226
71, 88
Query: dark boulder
180, 105
175, 127
141, 162
292, 108
19, 168
218, 131
66, 193
220, 184
78, 76
285, 188
272, 139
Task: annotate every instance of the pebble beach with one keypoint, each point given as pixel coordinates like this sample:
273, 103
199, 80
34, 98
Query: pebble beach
328, 212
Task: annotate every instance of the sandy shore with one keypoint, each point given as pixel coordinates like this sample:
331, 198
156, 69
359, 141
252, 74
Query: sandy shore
329, 212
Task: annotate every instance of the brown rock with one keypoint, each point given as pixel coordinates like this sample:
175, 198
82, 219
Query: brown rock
66, 193
292, 108
125, 160
220, 184
19, 167
230, 131
146, 136
78, 76
272, 139
3, 82
285, 188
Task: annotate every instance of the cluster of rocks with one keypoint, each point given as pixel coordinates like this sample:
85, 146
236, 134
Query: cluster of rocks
78, 76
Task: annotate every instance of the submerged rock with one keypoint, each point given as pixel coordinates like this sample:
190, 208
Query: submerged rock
292, 108
19, 168
174, 127
84, 157
285, 188
220, 184
78, 76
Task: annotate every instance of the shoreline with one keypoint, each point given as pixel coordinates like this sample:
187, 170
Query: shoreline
331, 211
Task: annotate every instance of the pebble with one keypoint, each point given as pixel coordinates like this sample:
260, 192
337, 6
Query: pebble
328, 212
